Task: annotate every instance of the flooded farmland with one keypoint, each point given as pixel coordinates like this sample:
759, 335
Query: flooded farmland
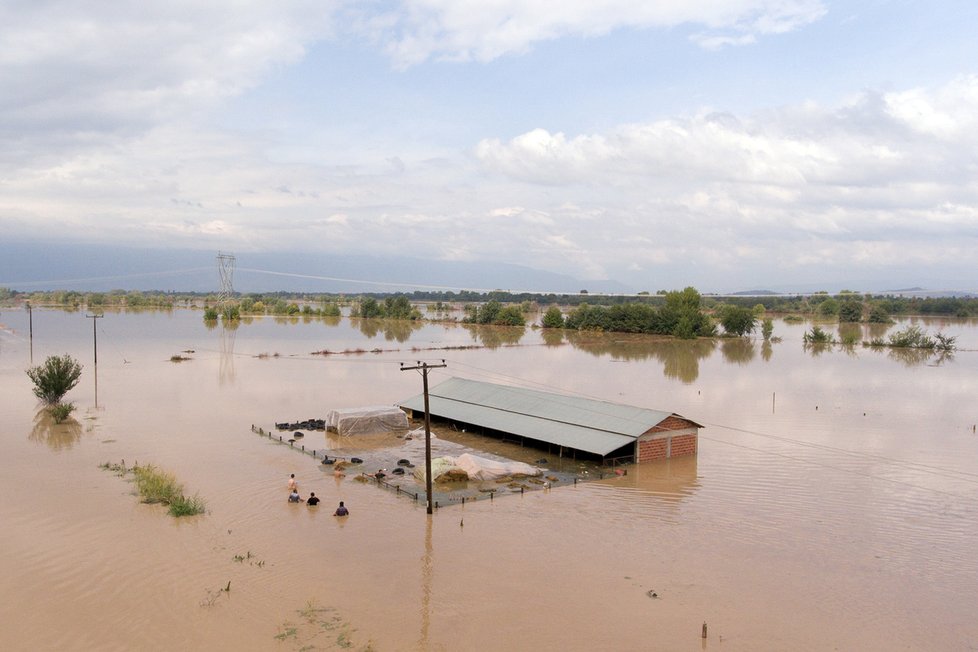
832, 504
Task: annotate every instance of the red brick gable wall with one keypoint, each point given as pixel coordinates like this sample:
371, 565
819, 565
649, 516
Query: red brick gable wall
673, 423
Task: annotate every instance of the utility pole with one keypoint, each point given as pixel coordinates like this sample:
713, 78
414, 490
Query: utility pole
424, 367
30, 322
94, 319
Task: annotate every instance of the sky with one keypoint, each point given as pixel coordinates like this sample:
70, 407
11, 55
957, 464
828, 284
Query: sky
724, 144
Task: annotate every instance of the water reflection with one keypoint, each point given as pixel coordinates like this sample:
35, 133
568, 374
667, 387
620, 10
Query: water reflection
57, 436
226, 373
394, 330
426, 574
915, 357
492, 337
552, 336
680, 358
737, 351
817, 349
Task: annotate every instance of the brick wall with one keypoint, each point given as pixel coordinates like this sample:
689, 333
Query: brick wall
652, 449
673, 423
660, 449
683, 445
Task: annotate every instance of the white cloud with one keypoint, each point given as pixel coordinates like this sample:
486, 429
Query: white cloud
73, 73
482, 30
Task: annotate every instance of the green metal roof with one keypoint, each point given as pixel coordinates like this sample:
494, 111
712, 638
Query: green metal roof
584, 424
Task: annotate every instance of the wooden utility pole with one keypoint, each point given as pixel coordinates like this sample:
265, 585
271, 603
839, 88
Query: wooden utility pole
424, 367
94, 319
30, 322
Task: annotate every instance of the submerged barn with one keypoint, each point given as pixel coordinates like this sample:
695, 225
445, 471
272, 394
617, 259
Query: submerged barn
571, 425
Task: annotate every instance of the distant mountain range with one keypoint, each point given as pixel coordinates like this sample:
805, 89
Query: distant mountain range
100, 268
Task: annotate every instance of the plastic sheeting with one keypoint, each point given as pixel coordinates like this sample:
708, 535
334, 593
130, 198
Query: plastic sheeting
366, 420
476, 468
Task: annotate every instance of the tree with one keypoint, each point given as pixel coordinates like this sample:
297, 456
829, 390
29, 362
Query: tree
828, 308
553, 318
737, 321
510, 316
879, 315
850, 311
767, 328
55, 378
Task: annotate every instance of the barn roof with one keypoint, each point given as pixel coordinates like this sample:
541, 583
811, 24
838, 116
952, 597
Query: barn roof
584, 424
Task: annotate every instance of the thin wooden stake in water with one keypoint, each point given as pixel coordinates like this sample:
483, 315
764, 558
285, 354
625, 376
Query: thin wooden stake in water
704, 629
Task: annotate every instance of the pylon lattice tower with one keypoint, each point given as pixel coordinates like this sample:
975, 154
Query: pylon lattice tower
225, 266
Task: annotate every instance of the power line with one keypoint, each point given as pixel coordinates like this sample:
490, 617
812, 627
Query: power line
175, 272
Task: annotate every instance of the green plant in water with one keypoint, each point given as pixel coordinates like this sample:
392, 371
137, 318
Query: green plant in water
61, 411
55, 378
156, 486
187, 506
944, 342
817, 336
912, 337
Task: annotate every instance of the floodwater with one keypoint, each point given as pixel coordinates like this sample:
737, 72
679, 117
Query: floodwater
832, 504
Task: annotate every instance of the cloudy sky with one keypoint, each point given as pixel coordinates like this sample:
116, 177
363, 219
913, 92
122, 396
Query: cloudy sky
726, 144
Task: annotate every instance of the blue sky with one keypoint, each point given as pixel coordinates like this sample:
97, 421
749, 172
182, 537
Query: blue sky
726, 144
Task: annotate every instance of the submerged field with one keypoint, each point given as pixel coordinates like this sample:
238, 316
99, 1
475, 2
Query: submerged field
832, 504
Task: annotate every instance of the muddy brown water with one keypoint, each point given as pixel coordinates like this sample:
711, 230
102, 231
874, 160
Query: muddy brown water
831, 506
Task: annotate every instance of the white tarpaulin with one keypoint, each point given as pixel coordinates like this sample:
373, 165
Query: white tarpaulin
481, 468
366, 420
477, 468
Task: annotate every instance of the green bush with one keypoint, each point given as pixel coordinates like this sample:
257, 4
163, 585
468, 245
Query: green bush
61, 411
912, 337
553, 318
55, 378
818, 336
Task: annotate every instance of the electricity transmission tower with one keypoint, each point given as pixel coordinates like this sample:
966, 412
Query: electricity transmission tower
225, 266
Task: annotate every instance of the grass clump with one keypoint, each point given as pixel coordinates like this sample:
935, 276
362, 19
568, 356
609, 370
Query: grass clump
157, 486
187, 506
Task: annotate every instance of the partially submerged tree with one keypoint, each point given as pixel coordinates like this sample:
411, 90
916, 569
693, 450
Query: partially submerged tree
850, 311
737, 321
553, 318
55, 378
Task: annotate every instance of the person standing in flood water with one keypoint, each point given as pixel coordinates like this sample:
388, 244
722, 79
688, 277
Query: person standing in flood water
341, 510
293, 485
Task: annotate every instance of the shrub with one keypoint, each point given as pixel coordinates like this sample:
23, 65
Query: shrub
210, 314
817, 336
61, 411
737, 321
767, 328
850, 311
55, 378
912, 337
553, 318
